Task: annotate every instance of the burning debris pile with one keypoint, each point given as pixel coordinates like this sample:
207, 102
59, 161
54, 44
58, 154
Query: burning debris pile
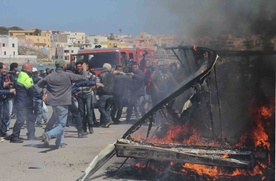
226, 132
173, 136
217, 123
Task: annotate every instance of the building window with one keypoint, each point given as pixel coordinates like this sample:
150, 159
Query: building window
66, 57
72, 51
13, 45
5, 53
66, 51
3, 45
13, 53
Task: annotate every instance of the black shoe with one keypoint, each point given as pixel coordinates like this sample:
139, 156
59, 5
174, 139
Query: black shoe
8, 137
91, 130
46, 139
3, 134
116, 121
96, 124
82, 134
16, 140
107, 124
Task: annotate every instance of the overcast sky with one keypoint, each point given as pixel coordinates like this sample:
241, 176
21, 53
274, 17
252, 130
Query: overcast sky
135, 16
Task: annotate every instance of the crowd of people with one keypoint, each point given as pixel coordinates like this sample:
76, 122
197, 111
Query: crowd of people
74, 89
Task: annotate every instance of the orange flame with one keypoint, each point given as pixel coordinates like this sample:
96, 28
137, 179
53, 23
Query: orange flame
266, 112
259, 134
195, 48
215, 172
182, 134
139, 165
201, 169
260, 137
225, 156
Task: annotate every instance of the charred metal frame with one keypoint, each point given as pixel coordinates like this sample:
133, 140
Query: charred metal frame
185, 154
180, 153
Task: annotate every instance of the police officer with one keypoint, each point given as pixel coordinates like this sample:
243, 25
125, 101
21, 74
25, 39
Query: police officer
24, 104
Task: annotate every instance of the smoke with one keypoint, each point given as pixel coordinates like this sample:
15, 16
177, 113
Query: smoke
219, 17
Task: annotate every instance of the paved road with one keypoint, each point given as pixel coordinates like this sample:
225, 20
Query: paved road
30, 160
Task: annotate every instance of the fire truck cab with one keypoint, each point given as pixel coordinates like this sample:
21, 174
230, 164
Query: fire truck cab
98, 56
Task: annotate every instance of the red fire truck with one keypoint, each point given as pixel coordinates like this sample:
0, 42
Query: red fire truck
98, 56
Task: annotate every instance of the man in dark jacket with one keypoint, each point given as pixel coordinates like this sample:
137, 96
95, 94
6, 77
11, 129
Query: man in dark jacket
137, 89
59, 93
105, 95
73, 108
41, 117
121, 93
13, 73
84, 97
5, 82
4, 93
25, 92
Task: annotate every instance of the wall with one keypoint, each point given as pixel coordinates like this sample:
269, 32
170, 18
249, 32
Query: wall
20, 59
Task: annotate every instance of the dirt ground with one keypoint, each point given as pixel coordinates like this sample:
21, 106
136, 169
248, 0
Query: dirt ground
31, 160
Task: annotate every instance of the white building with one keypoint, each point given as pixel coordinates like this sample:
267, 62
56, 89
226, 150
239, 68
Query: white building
8, 46
9, 51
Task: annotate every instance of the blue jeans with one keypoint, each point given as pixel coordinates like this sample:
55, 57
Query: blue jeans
1, 116
58, 118
6, 114
104, 106
10, 107
85, 107
76, 115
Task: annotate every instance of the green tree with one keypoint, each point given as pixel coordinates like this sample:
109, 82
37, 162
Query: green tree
37, 31
4, 30
15, 28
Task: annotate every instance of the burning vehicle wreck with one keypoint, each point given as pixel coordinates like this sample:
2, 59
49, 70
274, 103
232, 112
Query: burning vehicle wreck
217, 120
